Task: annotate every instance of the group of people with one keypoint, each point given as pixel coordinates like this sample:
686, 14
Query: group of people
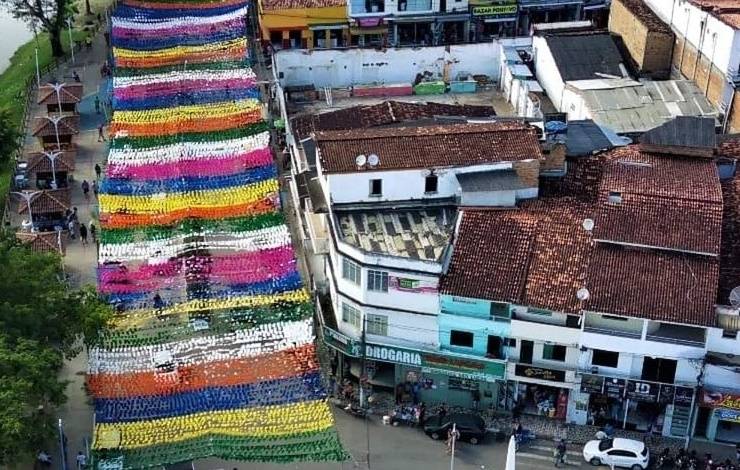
76, 228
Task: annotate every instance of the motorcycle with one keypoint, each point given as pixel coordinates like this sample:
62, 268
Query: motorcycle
356, 410
664, 459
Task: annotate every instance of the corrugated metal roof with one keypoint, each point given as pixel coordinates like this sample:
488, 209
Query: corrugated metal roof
683, 131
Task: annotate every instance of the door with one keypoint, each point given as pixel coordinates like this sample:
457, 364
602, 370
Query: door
494, 347
702, 421
525, 355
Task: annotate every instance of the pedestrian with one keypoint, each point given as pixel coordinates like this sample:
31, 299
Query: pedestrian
98, 171
74, 216
71, 228
97, 105
95, 188
76, 76
107, 38
415, 391
101, 135
476, 398
83, 234
560, 453
93, 232
81, 460
86, 190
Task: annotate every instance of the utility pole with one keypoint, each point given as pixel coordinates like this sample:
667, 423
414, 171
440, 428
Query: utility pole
27, 195
52, 156
71, 44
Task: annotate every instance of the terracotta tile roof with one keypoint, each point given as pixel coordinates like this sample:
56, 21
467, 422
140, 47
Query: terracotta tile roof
68, 125
646, 16
727, 11
490, 256
44, 242
663, 286
628, 170
47, 202
683, 225
729, 274
560, 256
581, 181
38, 162
729, 146
68, 93
428, 146
269, 5
385, 113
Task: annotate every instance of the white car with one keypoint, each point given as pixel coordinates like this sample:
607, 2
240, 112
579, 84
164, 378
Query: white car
617, 452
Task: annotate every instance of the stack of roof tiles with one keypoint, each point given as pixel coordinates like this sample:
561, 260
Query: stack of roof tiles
653, 252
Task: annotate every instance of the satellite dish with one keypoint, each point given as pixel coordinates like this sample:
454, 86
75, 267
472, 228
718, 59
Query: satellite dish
361, 160
735, 297
373, 159
583, 294
588, 224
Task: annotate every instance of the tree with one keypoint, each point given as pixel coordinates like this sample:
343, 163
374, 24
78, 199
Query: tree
52, 14
41, 322
8, 136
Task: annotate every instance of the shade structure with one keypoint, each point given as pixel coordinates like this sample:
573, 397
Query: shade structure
211, 351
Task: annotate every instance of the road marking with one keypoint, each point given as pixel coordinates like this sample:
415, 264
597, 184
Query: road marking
544, 458
549, 449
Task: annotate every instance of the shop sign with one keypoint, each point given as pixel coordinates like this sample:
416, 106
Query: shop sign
728, 414
539, 373
643, 391
592, 383
614, 388
342, 343
389, 354
495, 10
369, 22
418, 286
683, 396
667, 392
720, 400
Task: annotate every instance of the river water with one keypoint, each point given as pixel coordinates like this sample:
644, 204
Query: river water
14, 33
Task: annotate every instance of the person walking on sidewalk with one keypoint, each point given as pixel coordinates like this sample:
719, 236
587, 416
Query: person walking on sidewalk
97, 105
101, 135
98, 171
86, 190
560, 452
95, 188
93, 232
83, 234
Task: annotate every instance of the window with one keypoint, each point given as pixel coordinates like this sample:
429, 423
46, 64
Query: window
461, 338
553, 352
731, 334
377, 281
510, 342
351, 271
351, 315
377, 325
573, 321
499, 309
656, 369
376, 187
430, 184
493, 349
604, 358
621, 453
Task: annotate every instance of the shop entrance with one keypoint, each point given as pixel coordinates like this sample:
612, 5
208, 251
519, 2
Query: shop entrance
728, 431
604, 409
542, 400
702, 421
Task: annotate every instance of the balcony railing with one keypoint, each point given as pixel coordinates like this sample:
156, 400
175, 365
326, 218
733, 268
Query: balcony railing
612, 332
671, 340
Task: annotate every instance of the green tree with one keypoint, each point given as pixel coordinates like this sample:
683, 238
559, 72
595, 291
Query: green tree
52, 15
8, 136
41, 322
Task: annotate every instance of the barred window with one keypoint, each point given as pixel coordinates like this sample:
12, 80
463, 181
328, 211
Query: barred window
377, 281
351, 271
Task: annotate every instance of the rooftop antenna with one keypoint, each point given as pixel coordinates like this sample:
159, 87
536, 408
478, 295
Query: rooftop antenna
373, 160
735, 297
360, 160
588, 224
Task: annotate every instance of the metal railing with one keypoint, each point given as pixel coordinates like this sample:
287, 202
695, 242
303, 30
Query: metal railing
610, 332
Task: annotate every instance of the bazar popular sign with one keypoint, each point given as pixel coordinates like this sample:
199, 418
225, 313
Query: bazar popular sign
720, 400
494, 10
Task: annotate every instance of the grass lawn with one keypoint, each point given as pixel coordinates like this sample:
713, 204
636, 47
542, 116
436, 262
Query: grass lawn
22, 68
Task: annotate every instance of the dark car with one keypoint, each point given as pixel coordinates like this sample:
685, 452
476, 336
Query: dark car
471, 427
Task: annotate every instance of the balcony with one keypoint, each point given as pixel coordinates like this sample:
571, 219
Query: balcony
610, 332
367, 7
610, 325
676, 334
412, 6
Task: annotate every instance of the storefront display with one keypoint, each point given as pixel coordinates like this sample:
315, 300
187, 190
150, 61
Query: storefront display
719, 416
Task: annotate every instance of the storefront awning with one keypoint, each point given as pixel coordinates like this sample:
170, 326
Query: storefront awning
449, 18
414, 19
321, 27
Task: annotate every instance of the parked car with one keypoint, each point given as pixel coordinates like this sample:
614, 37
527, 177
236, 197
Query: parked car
617, 452
471, 427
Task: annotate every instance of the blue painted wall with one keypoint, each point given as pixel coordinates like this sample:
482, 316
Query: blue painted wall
466, 306
481, 329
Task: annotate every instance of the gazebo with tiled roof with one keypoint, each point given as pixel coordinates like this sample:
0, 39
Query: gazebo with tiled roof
70, 94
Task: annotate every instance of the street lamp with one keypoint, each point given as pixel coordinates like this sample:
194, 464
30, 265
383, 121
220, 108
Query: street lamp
55, 120
58, 89
28, 196
52, 156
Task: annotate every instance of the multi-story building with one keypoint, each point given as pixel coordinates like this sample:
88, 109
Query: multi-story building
304, 24
707, 49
